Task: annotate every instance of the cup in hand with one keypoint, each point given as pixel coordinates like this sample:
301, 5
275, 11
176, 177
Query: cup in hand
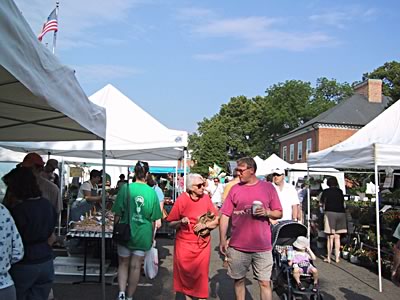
256, 204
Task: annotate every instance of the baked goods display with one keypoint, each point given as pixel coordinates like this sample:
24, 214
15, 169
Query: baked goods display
91, 222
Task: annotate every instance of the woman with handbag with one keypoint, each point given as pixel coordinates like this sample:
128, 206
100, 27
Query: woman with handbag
194, 216
137, 205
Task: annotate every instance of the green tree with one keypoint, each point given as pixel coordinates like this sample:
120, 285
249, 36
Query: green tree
249, 127
390, 75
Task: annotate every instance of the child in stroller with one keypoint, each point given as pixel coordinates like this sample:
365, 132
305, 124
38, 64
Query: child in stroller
285, 277
299, 260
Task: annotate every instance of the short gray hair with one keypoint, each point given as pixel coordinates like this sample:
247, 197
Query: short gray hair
190, 179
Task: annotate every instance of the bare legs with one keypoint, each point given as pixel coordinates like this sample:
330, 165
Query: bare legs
134, 273
265, 289
331, 240
123, 268
240, 290
131, 265
396, 259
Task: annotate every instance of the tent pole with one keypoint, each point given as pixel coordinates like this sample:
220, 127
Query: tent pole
378, 227
103, 224
175, 181
308, 203
61, 177
184, 168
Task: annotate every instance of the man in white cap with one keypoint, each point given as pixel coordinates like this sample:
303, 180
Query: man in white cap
287, 195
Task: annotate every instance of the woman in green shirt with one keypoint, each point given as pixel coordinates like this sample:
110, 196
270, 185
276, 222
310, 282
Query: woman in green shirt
144, 210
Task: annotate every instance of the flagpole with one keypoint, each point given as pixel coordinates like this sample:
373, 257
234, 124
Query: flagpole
55, 32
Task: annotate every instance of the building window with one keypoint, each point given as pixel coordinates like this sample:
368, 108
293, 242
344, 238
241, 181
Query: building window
291, 154
309, 146
299, 150
284, 153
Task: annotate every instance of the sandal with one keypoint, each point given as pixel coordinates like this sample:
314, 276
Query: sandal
300, 287
327, 260
315, 287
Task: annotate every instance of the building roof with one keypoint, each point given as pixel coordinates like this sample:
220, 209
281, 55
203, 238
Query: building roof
355, 111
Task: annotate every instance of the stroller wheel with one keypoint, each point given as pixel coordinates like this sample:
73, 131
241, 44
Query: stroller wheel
316, 297
284, 297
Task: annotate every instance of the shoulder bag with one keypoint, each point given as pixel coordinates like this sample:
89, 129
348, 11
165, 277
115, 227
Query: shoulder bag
122, 232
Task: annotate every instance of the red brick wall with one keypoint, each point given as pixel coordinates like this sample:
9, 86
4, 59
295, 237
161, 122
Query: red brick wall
322, 138
328, 137
300, 138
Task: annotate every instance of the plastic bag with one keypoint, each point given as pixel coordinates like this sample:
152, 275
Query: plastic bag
151, 262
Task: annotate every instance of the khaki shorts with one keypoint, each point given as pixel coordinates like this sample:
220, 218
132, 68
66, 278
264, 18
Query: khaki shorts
335, 222
239, 264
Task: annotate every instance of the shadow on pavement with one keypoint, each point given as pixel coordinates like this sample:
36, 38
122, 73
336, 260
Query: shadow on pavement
349, 294
222, 286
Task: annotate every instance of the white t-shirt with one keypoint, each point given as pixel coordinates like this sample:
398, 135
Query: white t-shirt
216, 193
288, 197
86, 186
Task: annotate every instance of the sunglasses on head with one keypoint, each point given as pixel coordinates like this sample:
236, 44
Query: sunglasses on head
200, 185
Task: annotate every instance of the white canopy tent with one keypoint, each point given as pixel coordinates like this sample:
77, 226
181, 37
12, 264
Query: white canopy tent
132, 134
264, 167
376, 145
298, 170
40, 99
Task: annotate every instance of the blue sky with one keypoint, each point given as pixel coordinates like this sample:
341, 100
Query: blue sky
181, 60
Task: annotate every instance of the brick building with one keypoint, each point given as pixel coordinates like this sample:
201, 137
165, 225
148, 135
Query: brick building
336, 124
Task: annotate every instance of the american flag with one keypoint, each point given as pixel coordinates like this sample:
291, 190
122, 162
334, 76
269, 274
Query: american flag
50, 25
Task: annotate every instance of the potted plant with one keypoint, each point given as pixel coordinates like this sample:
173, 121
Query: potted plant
354, 256
345, 253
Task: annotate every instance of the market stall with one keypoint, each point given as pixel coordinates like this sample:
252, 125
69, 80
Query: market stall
40, 99
376, 146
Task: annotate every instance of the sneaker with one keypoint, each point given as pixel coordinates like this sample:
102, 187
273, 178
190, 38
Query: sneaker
121, 296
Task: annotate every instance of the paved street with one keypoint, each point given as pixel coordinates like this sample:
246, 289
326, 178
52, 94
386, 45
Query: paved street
338, 281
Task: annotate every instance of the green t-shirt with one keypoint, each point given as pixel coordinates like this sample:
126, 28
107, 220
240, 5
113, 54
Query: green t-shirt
144, 209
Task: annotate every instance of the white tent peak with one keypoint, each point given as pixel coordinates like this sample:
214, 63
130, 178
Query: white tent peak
113, 99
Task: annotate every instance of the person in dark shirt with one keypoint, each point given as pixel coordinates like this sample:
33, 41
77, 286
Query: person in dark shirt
332, 201
35, 219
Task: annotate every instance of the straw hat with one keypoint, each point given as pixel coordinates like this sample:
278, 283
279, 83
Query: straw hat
301, 243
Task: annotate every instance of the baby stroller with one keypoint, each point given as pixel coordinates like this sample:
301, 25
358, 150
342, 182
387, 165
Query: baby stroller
283, 236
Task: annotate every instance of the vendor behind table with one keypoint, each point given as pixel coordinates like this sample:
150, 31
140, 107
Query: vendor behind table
88, 196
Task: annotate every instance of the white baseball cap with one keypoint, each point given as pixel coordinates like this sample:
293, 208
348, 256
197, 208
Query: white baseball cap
278, 171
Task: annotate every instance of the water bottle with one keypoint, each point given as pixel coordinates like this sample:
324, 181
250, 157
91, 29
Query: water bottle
283, 255
290, 253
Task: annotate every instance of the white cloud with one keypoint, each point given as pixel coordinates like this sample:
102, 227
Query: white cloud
103, 73
342, 17
254, 34
191, 13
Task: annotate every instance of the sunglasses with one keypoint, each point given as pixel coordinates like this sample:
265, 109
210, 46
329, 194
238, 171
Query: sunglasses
200, 185
240, 171
276, 174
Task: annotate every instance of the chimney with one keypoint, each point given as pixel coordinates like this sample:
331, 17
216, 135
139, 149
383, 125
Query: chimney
371, 89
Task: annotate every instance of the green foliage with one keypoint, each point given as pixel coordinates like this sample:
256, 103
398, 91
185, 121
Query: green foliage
390, 75
249, 127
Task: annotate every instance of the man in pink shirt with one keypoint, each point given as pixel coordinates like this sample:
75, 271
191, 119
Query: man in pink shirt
250, 242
